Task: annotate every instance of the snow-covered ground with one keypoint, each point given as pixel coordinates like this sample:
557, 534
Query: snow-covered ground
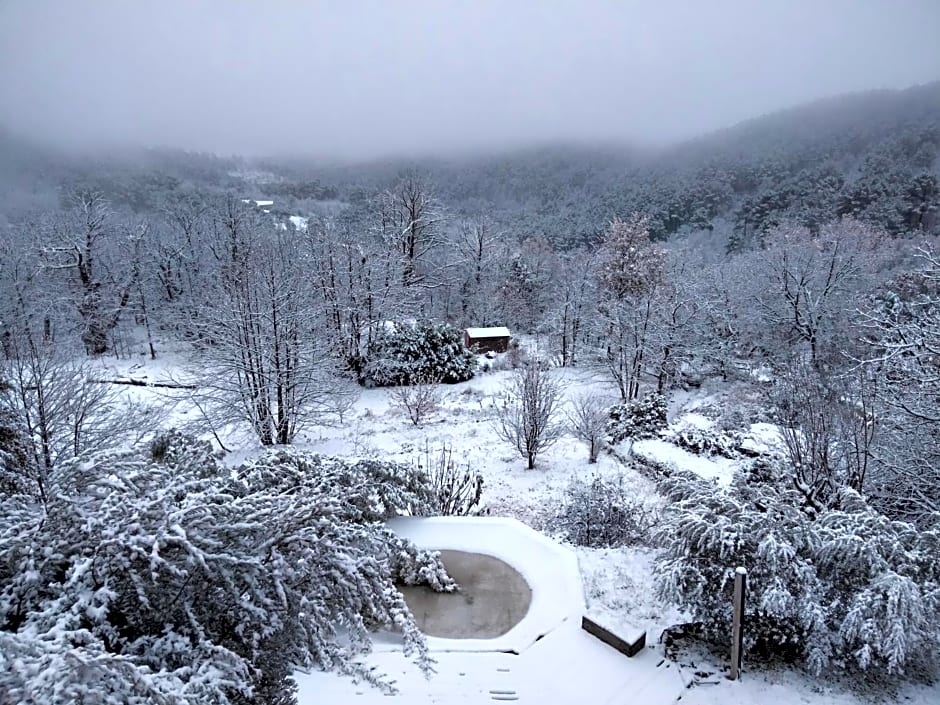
617, 583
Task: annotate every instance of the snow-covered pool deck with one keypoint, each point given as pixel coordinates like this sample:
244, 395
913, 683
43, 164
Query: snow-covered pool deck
546, 658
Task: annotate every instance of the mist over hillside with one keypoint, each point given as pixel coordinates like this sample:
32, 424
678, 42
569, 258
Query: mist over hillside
870, 155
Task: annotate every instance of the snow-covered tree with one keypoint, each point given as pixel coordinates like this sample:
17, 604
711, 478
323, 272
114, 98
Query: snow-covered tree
410, 221
264, 359
844, 588
902, 329
157, 575
805, 286
83, 245
426, 352
629, 274
358, 282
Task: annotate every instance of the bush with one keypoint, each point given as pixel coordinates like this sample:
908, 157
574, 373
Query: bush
16, 467
636, 420
702, 442
603, 514
848, 589
457, 491
417, 400
429, 351
158, 576
587, 420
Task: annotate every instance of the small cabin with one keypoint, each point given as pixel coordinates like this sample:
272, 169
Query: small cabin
487, 339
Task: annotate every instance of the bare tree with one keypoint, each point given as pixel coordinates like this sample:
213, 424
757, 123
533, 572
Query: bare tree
264, 360
410, 220
629, 275
82, 246
475, 247
567, 318
343, 399
805, 285
828, 430
588, 419
677, 311
358, 284
419, 399
64, 410
527, 417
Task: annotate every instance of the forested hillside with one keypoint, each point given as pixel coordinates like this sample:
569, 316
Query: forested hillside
874, 156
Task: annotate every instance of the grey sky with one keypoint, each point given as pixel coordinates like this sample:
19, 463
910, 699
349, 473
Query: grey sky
360, 79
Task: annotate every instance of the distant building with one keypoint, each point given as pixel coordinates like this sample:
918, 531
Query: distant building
487, 339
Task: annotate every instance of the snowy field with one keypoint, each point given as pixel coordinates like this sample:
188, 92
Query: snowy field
617, 583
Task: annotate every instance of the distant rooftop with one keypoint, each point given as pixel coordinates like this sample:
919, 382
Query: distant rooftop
498, 332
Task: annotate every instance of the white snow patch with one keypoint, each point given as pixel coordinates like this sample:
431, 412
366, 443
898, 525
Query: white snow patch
694, 420
720, 470
299, 222
763, 439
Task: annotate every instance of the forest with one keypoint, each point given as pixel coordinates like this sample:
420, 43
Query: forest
791, 261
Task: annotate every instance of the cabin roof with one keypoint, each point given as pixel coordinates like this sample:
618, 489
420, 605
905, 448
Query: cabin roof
498, 332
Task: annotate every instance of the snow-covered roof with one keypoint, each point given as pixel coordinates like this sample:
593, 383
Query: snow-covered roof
498, 332
264, 203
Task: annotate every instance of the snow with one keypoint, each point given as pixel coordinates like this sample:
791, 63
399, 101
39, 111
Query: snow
694, 420
262, 204
547, 657
496, 332
763, 439
550, 569
721, 470
567, 665
299, 222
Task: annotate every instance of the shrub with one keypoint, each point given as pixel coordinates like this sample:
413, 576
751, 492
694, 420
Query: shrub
456, 490
587, 420
846, 589
176, 580
406, 353
418, 400
16, 466
603, 514
642, 418
702, 442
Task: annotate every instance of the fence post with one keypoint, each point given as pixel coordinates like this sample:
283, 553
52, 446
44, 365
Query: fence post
737, 622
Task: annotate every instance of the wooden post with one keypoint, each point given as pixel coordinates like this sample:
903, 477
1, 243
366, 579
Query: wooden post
737, 622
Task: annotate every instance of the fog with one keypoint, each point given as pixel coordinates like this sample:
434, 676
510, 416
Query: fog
362, 79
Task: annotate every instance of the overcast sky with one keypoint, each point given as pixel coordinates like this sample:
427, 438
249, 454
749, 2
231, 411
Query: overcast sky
364, 79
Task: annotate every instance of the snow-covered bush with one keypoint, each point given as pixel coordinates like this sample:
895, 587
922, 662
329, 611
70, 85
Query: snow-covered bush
405, 353
157, 576
417, 400
635, 420
457, 490
846, 589
603, 513
705, 442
